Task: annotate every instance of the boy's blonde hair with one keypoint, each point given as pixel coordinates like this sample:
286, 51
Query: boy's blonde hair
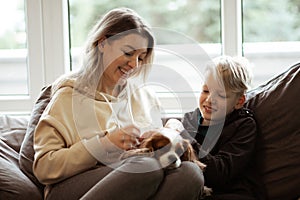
232, 72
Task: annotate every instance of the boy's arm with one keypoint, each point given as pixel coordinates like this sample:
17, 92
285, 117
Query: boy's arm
233, 155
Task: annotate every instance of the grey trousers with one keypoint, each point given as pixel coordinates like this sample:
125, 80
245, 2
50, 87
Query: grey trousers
135, 178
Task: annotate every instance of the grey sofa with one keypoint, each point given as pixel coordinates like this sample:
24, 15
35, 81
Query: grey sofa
276, 108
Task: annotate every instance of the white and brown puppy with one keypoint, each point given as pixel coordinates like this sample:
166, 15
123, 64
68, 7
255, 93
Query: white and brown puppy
167, 146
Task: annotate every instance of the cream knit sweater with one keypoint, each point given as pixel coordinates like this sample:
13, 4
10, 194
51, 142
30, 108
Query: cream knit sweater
69, 137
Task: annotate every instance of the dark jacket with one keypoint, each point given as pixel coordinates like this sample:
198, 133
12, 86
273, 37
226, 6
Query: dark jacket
228, 153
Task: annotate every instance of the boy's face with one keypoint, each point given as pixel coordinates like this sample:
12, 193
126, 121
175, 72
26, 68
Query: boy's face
215, 102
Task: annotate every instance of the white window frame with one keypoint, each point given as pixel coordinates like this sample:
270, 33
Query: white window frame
48, 46
48, 51
231, 33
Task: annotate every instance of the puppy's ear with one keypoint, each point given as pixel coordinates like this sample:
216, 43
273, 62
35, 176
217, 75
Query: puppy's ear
155, 142
190, 155
188, 152
147, 143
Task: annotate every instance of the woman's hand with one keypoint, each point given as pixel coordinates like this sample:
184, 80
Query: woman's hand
125, 138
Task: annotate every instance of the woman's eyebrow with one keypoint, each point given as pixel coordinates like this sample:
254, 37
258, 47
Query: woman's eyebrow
134, 49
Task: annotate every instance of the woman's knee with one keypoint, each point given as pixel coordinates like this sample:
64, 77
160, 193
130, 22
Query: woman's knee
148, 168
139, 164
192, 173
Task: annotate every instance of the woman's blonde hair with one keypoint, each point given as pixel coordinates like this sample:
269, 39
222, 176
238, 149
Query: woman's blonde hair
232, 72
114, 25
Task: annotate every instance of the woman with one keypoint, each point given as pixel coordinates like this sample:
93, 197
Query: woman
99, 112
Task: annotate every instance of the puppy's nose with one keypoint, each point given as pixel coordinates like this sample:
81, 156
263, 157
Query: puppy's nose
172, 158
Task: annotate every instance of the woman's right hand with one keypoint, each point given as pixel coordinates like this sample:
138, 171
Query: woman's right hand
125, 138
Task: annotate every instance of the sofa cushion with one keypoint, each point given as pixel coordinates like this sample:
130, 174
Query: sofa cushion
276, 109
12, 130
14, 184
26, 151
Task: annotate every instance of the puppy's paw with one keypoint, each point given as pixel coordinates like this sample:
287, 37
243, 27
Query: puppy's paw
207, 191
200, 164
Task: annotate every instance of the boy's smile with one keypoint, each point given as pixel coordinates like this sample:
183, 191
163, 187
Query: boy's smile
215, 102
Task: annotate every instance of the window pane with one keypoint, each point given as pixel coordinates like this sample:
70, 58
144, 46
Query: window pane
187, 33
271, 32
198, 20
13, 52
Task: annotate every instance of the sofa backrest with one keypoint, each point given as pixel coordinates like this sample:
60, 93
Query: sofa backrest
276, 109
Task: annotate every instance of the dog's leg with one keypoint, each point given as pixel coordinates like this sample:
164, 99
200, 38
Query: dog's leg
207, 191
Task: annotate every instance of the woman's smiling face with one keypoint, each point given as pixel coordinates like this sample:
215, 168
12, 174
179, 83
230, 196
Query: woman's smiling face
121, 58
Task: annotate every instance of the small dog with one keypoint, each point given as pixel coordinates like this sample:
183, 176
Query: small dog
169, 148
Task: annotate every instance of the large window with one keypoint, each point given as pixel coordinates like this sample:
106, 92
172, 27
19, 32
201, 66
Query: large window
35, 49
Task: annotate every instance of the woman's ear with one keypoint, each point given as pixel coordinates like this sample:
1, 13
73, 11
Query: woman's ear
101, 44
240, 102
